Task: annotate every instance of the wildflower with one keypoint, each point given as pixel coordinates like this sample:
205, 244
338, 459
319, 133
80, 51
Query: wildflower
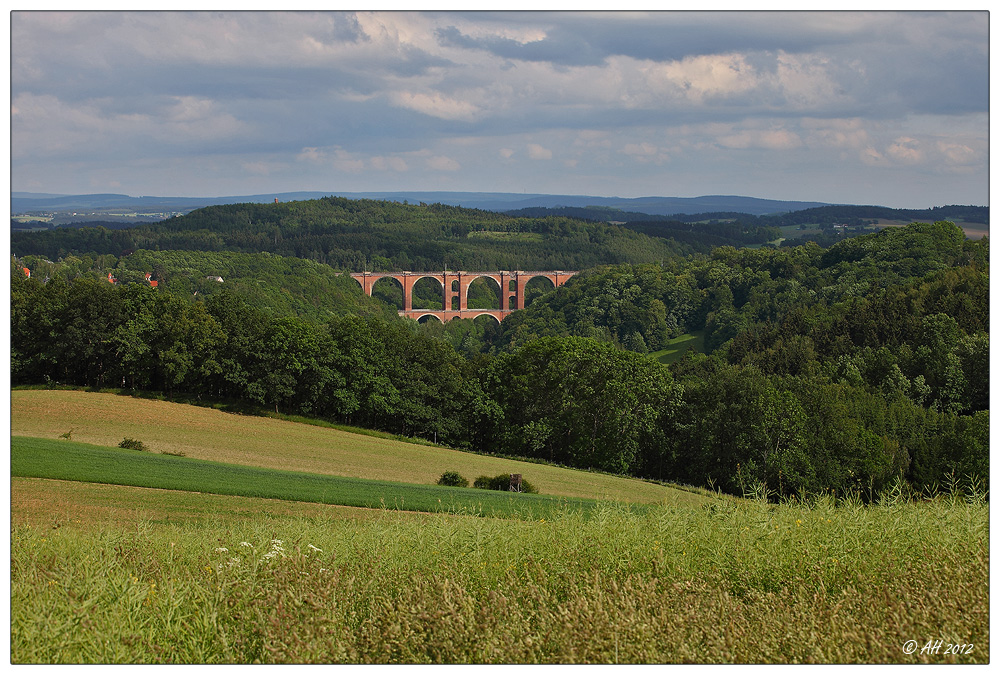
798, 522
315, 548
222, 549
246, 543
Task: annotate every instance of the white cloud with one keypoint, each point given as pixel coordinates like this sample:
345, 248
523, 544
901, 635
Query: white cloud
442, 163
435, 105
905, 151
536, 151
957, 153
389, 163
848, 134
765, 139
347, 162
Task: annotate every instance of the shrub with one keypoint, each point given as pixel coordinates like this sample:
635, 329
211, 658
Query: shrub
133, 444
502, 482
453, 479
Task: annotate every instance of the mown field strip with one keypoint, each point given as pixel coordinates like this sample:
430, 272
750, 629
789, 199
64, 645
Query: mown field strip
67, 460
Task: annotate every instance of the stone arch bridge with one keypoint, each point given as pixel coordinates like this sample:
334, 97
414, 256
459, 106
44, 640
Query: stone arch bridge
455, 288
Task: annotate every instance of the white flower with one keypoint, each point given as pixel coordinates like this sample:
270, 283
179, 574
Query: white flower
315, 548
246, 543
222, 549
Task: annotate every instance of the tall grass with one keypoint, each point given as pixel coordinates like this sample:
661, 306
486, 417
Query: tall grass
736, 581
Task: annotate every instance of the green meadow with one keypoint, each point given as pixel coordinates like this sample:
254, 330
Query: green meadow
67, 460
677, 347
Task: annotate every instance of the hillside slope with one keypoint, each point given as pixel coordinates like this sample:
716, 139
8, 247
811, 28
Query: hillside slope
205, 433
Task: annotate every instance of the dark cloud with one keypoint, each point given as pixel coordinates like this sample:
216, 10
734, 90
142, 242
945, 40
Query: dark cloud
579, 39
560, 47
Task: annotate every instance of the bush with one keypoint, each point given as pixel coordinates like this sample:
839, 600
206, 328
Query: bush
502, 482
453, 479
132, 444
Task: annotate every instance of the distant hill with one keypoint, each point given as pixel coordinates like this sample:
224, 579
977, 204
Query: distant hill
28, 202
367, 234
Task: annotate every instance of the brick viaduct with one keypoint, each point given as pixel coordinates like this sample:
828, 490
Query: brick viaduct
455, 286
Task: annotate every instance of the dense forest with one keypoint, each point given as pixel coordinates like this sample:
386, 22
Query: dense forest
839, 368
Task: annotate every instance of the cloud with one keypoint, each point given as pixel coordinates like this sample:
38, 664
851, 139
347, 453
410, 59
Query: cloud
389, 164
536, 151
767, 139
435, 105
906, 151
625, 100
441, 163
957, 153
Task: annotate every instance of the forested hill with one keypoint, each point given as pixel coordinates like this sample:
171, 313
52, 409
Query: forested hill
374, 235
817, 215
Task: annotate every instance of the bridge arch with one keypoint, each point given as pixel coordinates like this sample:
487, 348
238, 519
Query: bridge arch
388, 289
494, 291
431, 290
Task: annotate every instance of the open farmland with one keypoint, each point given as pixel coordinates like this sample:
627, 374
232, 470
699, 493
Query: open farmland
109, 574
70, 460
206, 433
117, 574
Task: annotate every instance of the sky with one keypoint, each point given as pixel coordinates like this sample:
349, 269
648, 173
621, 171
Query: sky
879, 108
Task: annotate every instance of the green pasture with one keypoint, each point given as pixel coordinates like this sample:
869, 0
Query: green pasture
67, 460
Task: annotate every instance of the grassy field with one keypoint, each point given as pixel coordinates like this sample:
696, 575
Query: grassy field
123, 574
69, 460
205, 433
108, 574
677, 347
